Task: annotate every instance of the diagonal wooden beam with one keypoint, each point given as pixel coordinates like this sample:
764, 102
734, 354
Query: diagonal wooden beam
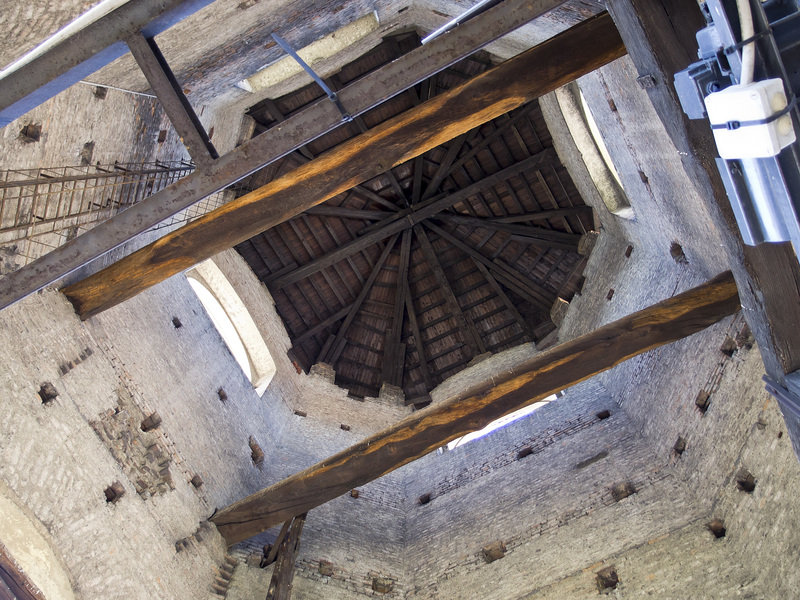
273, 553
556, 213
166, 87
431, 428
470, 336
444, 166
335, 349
578, 51
392, 358
324, 210
490, 137
538, 235
280, 586
418, 343
510, 277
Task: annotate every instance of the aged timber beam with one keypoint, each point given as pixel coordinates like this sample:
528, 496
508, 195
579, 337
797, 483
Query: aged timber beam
577, 51
660, 36
164, 85
280, 586
546, 237
430, 428
299, 129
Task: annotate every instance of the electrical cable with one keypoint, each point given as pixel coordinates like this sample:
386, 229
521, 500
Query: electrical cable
749, 50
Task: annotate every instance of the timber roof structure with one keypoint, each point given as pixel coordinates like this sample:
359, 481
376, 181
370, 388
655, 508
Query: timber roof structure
408, 277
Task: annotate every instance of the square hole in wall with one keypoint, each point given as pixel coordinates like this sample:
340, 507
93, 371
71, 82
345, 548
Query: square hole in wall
114, 492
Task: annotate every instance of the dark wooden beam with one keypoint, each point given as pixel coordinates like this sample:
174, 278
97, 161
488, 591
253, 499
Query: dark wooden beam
468, 334
578, 51
393, 359
273, 552
335, 349
418, 343
280, 586
556, 213
429, 429
15, 580
444, 166
181, 114
537, 235
347, 213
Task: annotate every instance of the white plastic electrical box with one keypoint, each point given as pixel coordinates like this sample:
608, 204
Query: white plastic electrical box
736, 107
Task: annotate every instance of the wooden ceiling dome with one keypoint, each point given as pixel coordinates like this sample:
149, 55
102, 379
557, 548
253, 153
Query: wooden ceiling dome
408, 277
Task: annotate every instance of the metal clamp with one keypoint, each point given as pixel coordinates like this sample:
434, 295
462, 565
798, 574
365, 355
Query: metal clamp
346, 117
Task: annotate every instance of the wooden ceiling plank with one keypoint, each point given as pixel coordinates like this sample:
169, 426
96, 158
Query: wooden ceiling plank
468, 333
504, 244
481, 300
508, 342
488, 139
508, 275
452, 366
581, 226
339, 271
321, 326
498, 289
500, 327
581, 49
492, 313
545, 214
304, 241
424, 431
430, 307
549, 193
556, 263
577, 270
311, 284
356, 306
324, 224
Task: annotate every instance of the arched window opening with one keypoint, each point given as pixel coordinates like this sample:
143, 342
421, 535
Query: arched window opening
596, 157
233, 322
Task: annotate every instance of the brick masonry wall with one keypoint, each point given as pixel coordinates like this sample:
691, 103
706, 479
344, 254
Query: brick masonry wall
56, 464
30, 23
741, 429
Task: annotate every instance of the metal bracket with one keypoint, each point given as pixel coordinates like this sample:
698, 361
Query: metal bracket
788, 400
346, 117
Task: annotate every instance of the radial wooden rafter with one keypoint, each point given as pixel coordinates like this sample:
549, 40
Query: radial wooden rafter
460, 251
